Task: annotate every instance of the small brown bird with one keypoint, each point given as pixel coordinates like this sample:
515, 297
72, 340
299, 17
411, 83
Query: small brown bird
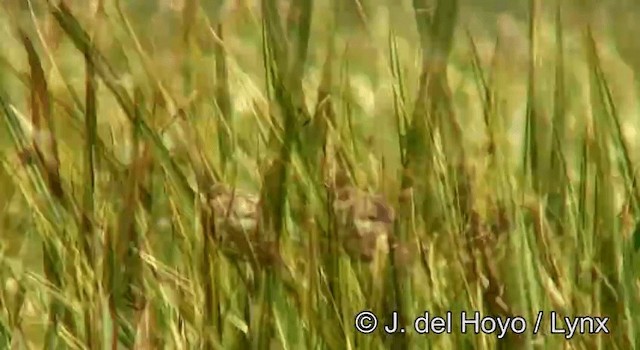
236, 215
367, 220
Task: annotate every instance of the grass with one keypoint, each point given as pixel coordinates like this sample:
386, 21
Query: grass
254, 174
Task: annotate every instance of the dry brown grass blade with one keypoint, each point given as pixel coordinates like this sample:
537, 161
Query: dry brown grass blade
124, 245
44, 144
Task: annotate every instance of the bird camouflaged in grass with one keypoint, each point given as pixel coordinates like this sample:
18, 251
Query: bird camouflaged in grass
368, 222
236, 214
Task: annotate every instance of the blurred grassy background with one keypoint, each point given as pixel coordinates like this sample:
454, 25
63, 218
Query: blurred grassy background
251, 174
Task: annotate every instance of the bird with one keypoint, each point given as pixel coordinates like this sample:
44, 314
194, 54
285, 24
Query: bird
236, 216
367, 223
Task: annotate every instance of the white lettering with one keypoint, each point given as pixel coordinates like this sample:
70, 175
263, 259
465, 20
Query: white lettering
491, 325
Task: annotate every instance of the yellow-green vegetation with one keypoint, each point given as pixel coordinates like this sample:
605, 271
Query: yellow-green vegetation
251, 174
